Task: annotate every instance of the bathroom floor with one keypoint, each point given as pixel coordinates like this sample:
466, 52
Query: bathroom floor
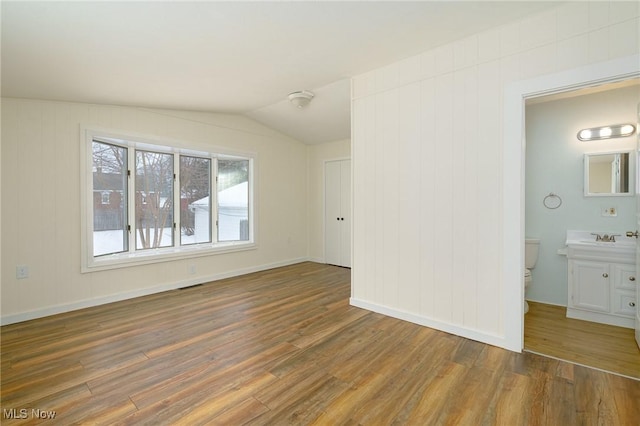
548, 331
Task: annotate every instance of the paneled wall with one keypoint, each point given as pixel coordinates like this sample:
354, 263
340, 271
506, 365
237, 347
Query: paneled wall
41, 203
427, 156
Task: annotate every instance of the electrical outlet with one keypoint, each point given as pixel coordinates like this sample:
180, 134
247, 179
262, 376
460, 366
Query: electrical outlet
192, 269
609, 211
22, 272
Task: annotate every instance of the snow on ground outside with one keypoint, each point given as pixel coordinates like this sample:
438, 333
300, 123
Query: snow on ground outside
105, 242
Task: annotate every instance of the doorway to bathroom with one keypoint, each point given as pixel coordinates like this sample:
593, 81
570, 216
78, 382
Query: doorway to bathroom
555, 202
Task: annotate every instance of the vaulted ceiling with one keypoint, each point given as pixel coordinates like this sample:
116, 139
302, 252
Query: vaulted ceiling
228, 57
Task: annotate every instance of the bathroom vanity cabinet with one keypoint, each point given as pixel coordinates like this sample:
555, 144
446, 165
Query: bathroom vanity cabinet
602, 283
602, 292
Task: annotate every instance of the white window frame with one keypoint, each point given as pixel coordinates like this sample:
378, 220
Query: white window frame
134, 257
103, 195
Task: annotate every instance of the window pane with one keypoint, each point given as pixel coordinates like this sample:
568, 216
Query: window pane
154, 200
109, 199
195, 200
233, 200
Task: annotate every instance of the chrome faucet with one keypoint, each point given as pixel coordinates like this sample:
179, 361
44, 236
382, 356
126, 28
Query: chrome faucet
606, 238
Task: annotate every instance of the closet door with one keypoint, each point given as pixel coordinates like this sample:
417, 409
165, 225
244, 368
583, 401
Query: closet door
338, 213
345, 213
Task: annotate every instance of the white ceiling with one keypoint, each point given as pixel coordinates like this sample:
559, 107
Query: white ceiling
228, 57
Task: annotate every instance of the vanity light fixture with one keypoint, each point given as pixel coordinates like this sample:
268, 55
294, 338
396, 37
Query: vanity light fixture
606, 132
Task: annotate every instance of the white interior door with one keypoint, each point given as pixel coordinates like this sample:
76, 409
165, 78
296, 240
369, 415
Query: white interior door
345, 213
337, 217
637, 327
332, 199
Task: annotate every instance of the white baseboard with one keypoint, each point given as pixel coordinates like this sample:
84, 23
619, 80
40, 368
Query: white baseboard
480, 336
87, 303
545, 302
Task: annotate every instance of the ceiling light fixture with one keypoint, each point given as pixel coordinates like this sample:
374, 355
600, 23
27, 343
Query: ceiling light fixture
301, 98
606, 132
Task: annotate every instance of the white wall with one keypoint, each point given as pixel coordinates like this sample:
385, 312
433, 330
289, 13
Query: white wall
41, 203
555, 163
317, 155
427, 155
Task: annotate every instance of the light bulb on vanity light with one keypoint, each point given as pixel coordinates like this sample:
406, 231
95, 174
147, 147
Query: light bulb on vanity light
584, 134
605, 132
627, 130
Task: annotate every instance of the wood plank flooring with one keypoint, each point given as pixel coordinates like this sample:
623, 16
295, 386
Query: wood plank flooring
548, 331
284, 347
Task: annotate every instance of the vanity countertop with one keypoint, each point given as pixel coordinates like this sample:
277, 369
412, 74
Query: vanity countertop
583, 244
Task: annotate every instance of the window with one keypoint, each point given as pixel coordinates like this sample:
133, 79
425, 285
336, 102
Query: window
109, 220
233, 200
195, 200
152, 202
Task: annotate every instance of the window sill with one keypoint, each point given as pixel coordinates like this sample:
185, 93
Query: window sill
146, 257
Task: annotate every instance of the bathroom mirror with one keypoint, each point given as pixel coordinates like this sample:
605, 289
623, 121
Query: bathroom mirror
608, 174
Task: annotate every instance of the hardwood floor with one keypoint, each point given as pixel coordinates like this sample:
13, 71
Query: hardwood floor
548, 331
284, 347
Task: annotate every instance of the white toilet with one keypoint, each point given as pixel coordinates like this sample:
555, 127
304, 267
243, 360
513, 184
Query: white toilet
531, 246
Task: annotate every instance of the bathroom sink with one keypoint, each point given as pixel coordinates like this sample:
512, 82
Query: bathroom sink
618, 243
590, 238
583, 244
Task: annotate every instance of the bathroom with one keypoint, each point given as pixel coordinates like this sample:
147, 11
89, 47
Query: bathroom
555, 201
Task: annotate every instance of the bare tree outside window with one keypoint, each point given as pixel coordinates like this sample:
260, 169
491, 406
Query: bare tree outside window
109, 199
154, 200
195, 200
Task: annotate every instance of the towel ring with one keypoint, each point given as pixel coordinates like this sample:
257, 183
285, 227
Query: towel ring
552, 201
